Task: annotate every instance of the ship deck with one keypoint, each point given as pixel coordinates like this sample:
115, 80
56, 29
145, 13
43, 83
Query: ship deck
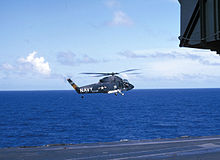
184, 148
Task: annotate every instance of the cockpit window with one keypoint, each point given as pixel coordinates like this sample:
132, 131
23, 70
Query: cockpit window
106, 79
125, 80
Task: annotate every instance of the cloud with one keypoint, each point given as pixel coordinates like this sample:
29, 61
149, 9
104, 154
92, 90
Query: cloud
175, 64
87, 59
172, 69
121, 19
7, 66
36, 64
181, 70
30, 65
70, 58
112, 3
66, 58
131, 54
205, 58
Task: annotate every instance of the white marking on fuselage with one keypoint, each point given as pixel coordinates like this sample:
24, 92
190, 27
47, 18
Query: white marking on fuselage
102, 87
114, 91
85, 90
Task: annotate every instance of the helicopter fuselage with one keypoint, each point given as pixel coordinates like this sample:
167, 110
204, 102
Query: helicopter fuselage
110, 84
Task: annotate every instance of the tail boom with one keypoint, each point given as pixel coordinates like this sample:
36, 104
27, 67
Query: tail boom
73, 85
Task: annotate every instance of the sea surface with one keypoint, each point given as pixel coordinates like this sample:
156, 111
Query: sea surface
33, 118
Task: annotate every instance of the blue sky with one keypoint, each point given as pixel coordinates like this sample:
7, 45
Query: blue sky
44, 41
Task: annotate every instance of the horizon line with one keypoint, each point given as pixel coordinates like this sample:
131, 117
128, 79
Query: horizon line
133, 89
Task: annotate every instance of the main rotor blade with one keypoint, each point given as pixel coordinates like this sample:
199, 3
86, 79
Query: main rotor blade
100, 74
133, 73
93, 73
129, 70
104, 74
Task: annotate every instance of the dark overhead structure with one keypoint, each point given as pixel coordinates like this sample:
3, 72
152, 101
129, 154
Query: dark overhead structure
200, 24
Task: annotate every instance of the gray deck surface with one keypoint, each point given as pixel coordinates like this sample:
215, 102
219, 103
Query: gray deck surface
202, 148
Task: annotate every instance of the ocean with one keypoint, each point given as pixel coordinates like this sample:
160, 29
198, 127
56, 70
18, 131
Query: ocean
35, 118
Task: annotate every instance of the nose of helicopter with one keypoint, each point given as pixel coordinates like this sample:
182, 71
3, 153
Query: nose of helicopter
130, 87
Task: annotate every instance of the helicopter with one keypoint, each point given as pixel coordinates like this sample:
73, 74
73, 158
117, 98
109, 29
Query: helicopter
109, 84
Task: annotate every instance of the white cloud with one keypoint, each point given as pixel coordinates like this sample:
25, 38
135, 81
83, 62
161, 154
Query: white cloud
66, 58
112, 3
176, 64
121, 18
7, 66
175, 69
70, 58
205, 57
38, 64
26, 66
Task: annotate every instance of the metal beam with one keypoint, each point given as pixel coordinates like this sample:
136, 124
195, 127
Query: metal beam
202, 5
218, 18
215, 19
184, 39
